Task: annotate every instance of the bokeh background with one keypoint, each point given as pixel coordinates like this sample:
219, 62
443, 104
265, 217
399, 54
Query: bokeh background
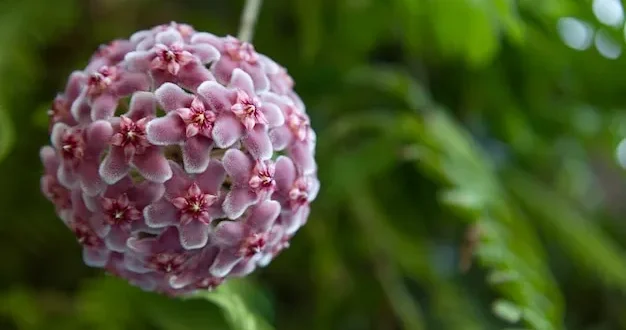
468, 152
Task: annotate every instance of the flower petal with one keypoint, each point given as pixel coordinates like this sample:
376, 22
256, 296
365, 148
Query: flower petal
226, 131
103, 107
116, 239
153, 165
225, 261
142, 104
114, 166
96, 222
130, 83
90, 181
241, 80
280, 137
238, 166
160, 214
212, 178
302, 157
194, 235
139, 60
256, 72
263, 216
285, 174
273, 114
145, 193
98, 135
197, 153
179, 183
193, 75
216, 95
166, 130
172, 97
205, 53
81, 111
258, 143
135, 264
67, 177
237, 201
169, 37
94, 257
56, 136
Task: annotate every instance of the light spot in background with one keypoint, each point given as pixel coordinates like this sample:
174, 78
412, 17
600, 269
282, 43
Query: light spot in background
608, 12
575, 33
620, 153
607, 46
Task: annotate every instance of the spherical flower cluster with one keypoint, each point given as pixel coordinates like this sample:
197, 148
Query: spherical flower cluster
180, 159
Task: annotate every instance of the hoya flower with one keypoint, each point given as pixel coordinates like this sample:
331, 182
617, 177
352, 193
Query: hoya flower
180, 159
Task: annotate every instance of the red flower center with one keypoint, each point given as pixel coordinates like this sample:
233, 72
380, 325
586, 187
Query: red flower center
262, 179
73, 146
132, 134
119, 211
240, 51
167, 262
247, 109
85, 235
298, 124
252, 245
299, 193
101, 80
194, 205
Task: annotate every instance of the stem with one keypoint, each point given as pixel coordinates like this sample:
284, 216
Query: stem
248, 19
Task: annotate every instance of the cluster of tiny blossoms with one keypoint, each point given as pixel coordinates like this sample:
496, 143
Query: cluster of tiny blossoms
179, 159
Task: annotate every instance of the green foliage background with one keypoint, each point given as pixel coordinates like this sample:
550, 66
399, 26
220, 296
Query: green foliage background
447, 129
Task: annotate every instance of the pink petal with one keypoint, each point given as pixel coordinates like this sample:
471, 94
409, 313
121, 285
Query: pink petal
116, 239
212, 178
285, 174
263, 216
302, 157
229, 233
120, 187
114, 166
256, 72
56, 136
67, 177
223, 69
95, 257
194, 235
238, 166
172, 97
216, 95
49, 158
237, 201
74, 85
227, 130
153, 165
81, 111
197, 153
139, 60
142, 104
134, 263
98, 135
146, 192
103, 107
242, 80
178, 184
130, 83
96, 222
280, 137
258, 143
208, 38
90, 181
160, 214
205, 53
166, 130
193, 75
273, 114
169, 37
243, 267
225, 261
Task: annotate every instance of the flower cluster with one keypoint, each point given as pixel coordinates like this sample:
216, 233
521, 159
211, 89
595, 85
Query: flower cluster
180, 159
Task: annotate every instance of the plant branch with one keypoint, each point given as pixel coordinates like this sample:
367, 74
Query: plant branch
249, 16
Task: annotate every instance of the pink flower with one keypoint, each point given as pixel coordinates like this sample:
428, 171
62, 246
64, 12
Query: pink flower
130, 147
243, 240
191, 203
241, 115
235, 55
182, 201
80, 148
188, 123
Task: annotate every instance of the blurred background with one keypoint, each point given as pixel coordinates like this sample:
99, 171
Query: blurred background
469, 154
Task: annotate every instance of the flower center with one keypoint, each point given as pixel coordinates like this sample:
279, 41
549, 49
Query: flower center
101, 80
119, 211
73, 146
59, 110
299, 193
298, 124
252, 245
197, 118
194, 205
247, 109
171, 58
168, 262
85, 235
262, 178
132, 133
240, 51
